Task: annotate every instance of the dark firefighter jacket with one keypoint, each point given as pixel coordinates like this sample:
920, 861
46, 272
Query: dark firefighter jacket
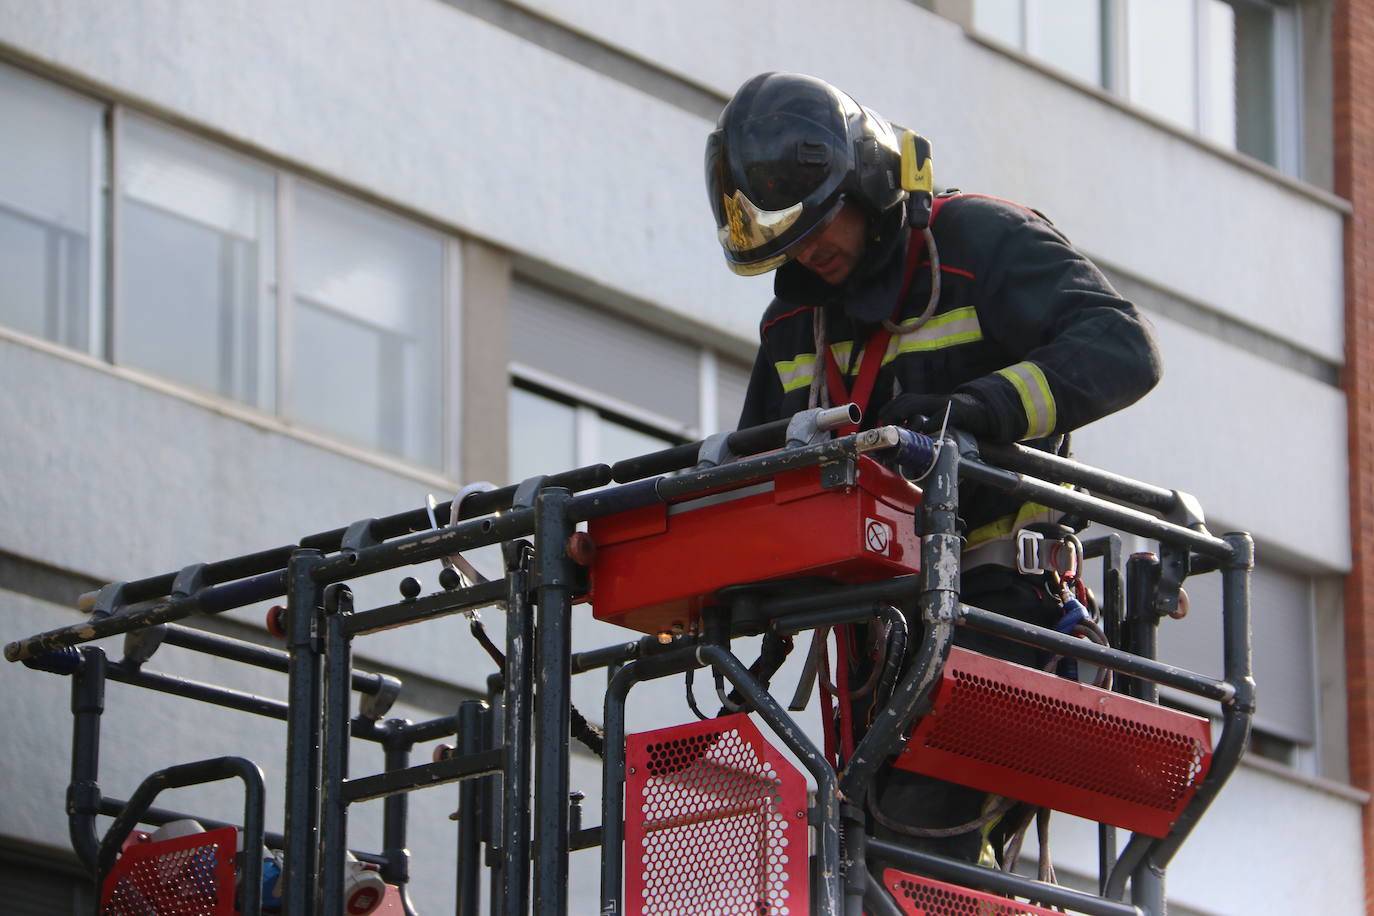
1024, 322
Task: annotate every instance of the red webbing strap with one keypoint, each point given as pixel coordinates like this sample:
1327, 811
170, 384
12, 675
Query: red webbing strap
874, 350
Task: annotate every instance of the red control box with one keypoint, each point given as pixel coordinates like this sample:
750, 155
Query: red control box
657, 567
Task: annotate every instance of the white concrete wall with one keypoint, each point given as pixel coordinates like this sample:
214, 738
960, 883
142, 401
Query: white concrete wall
1267, 845
417, 103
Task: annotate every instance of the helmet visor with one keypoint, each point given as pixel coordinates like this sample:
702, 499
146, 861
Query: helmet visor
770, 183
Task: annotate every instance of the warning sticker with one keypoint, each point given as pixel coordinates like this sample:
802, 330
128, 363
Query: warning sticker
877, 536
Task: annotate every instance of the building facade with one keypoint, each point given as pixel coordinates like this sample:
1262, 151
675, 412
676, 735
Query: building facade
273, 267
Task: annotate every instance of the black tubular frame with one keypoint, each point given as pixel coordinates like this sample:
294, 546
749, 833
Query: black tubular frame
518, 816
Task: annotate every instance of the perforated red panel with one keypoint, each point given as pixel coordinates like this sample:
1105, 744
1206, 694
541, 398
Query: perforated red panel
715, 823
917, 896
1030, 735
187, 876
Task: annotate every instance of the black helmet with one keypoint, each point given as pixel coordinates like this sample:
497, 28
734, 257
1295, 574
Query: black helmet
787, 151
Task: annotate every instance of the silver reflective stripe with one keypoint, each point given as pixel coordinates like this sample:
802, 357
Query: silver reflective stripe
955, 327
715, 499
796, 373
1036, 398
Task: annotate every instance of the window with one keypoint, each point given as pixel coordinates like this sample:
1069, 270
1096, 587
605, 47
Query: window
231, 277
549, 433
1286, 648
50, 192
1227, 69
197, 264
368, 320
589, 387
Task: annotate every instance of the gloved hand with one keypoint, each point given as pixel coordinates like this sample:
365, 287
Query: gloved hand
926, 412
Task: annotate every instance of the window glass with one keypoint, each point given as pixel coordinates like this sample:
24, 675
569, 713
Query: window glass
367, 327
1162, 47
197, 268
542, 435
617, 441
1068, 35
49, 191
1217, 70
732, 381
549, 434
1284, 649
1000, 19
1255, 54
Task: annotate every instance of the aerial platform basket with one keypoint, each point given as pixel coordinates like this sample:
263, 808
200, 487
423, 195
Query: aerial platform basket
1029, 735
657, 567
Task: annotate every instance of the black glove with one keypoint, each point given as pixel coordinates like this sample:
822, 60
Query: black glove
925, 413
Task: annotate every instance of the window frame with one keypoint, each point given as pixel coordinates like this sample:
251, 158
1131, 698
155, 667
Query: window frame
1285, 104
107, 297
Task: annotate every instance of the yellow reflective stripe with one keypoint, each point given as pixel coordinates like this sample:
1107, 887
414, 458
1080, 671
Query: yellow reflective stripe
981, 535
1036, 399
1028, 514
957, 326
841, 353
796, 373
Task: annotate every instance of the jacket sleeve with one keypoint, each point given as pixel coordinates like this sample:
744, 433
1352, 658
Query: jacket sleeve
1078, 350
763, 398
764, 394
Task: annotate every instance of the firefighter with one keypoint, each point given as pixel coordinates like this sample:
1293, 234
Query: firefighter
922, 309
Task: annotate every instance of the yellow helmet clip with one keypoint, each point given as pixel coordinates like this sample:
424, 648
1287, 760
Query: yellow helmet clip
916, 171
917, 178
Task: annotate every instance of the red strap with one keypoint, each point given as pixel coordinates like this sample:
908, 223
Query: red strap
873, 351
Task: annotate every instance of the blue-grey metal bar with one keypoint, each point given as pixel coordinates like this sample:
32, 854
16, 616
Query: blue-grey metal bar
1071, 501
428, 607
1116, 659
468, 893
940, 608
995, 881
512, 816
334, 756
553, 679
198, 690
829, 881
449, 769
83, 792
1063, 470
305, 600
1237, 714
211, 600
396, 808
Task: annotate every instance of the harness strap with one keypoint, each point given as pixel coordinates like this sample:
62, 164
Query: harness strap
873, 353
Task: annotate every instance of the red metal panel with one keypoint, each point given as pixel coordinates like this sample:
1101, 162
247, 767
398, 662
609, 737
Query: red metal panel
187, 876
917, 896
715, 823
656, 567
1029, 735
